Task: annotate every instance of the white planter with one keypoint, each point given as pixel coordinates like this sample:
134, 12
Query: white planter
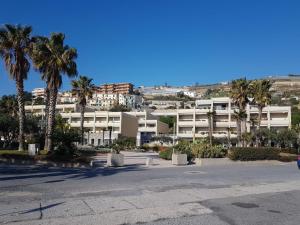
32, 149
179, 159
115, 159
199, 162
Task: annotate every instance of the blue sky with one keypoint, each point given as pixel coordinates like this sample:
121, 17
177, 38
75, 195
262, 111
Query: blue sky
149, 42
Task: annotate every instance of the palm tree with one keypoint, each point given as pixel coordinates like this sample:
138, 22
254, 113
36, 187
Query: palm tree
210, 117
239, 116
52, 58
239, 94
83, 89
15, 42
229, 130
260, 91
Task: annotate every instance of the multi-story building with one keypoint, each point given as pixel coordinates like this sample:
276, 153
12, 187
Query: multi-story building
193, 123
149, 126
98, 123
38, 93
101, 127
116, 88
190, 123
108, 100
66, 97
39, 110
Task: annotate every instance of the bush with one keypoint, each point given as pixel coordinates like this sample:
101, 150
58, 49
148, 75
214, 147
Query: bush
251, 154
124, 143
166, 154
184, 147
289, 150
202, 149
64, 142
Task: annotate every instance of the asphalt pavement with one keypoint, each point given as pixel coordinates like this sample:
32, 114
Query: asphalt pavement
225, 194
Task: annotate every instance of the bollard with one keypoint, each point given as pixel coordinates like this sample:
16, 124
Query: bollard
149, 161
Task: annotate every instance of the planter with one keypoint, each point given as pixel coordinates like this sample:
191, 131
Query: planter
179, 159
199, 162
32, 149
115, 159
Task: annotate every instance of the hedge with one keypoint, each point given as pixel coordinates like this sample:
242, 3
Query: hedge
251, 154
166, 154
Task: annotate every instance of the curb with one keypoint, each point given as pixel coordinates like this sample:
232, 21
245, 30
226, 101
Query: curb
44, 162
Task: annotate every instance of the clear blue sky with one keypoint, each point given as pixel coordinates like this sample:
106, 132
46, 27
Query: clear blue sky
156, 41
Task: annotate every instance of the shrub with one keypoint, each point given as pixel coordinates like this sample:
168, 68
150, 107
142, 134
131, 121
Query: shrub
184, 147
251, 154
64, 142
123, 143
155, 148
202, 149
289, 150
166, 154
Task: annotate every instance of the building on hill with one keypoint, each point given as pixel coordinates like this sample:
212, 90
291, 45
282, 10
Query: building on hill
38, 93
109, 100
116, 88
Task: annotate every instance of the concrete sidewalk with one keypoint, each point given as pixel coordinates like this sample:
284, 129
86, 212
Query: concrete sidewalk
131, 209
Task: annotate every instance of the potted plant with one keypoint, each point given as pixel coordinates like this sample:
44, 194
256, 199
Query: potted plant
181, 153
115, 158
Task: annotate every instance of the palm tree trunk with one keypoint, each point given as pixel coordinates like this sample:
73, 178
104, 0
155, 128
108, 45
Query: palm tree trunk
51, 118
47, 97
258, 124
238, 131
82, 109
20, 98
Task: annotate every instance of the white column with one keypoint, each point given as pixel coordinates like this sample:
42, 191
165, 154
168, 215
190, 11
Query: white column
94, 127
269, 117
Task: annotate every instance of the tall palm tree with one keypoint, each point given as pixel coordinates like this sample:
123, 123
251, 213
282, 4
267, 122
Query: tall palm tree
239, 94
260, 91
83, 89
229, 130
239, 116
15, 42
210, 117
52, 58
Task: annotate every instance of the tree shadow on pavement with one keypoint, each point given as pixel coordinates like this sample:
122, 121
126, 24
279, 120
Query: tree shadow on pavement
8, 173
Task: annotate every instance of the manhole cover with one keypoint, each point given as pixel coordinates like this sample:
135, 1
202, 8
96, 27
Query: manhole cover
195, 172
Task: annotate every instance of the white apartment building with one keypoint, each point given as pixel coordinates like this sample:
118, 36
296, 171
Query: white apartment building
193, 123
39, 110
38, 93
66, 97
102, 126
108, 100
190, 123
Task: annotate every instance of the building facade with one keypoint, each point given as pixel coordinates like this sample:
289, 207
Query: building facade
193, 123
116, 88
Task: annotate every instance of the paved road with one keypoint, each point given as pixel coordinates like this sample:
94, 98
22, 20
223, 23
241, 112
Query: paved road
215, 195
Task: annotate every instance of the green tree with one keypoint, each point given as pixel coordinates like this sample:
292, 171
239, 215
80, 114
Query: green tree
260, 91
53, 58
15, 42
239, 116
83, 89
239, 93
9, 105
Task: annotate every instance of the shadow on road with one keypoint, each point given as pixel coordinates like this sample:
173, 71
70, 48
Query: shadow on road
26, 172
